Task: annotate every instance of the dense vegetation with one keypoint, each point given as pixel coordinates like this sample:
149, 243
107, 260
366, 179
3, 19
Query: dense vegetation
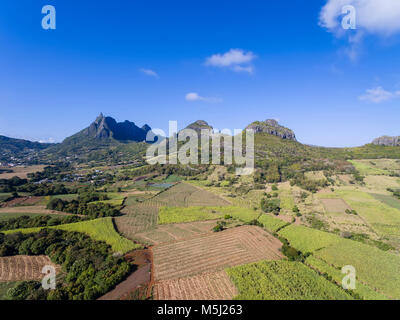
90, 268
87, 204
37, 221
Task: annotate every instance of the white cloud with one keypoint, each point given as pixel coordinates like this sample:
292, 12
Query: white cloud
378, 94
235, 59
380, 17
193, 96
150, 73
48, 140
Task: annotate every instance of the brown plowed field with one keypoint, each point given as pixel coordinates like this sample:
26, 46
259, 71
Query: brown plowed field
207, 286
214, 252
175, 232
21, 268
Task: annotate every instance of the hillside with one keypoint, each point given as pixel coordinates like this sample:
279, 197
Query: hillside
11, 150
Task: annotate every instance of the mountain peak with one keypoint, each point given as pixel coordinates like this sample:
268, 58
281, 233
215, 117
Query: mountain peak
199, 125
271, 126
107, 127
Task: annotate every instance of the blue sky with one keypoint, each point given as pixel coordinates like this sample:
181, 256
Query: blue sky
241, 61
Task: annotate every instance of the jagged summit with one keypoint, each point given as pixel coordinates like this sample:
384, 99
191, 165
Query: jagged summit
387, 141
107, 127
199, 125
272, 127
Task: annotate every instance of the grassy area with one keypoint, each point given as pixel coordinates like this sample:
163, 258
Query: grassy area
366, 168
66, 197
308, 240
388, 200
286, 197
283, 280
376, 268
270, 223
361, 289
169, 215
115, 199
99, 229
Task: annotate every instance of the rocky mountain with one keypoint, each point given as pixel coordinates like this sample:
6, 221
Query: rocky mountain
272, 127
199, 125
107, 127
103, 138
387, 141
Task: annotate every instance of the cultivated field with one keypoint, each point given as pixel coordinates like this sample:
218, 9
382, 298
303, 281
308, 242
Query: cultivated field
283, 280
335, 205
140, 216
21, 268
21, 172
214, 252
177, 215
187, 195
207, 286
174, 232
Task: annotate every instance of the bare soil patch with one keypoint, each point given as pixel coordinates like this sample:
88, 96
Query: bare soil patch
335, 205
23, 268
214, 252
207, 286
175, 232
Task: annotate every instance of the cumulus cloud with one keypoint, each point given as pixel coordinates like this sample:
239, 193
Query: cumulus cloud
380, 17
378, 94
236, 59
150, 73
193, 96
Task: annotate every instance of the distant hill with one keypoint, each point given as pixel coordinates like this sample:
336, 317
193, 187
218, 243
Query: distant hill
387, 141
272, 127
11, 149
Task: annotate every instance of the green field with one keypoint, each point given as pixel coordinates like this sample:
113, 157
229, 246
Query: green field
388, 200
362, 290
366, 168
99, 229
270, 223
66, 197
169, 215
308, 240
376, 268
283, 280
